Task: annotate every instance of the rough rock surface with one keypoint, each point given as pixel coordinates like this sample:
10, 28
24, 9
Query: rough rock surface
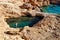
12, 8
4, 27
46, 29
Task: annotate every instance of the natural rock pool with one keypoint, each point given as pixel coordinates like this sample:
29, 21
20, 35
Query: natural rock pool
23, 21
30, 21
19, 22
55, 9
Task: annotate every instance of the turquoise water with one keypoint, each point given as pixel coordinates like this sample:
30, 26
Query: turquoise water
21, 22
30, 21
55, 9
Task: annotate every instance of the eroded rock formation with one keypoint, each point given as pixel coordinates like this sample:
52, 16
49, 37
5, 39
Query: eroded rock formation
14, 8
38, 2
46, 29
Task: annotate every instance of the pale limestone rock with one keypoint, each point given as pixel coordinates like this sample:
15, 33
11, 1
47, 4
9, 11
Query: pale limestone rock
10, 8
47, 29
4, 27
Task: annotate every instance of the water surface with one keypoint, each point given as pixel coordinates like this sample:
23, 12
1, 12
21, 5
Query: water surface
24, 21
55, 9
19, 22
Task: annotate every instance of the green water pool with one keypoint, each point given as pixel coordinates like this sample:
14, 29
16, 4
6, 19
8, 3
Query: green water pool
19, 22
26, 21
23, 21
55, 9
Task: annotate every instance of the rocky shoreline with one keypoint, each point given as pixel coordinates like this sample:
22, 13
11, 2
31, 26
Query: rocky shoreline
46, 29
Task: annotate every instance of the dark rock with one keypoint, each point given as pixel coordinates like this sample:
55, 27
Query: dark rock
35, 20
55, 2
